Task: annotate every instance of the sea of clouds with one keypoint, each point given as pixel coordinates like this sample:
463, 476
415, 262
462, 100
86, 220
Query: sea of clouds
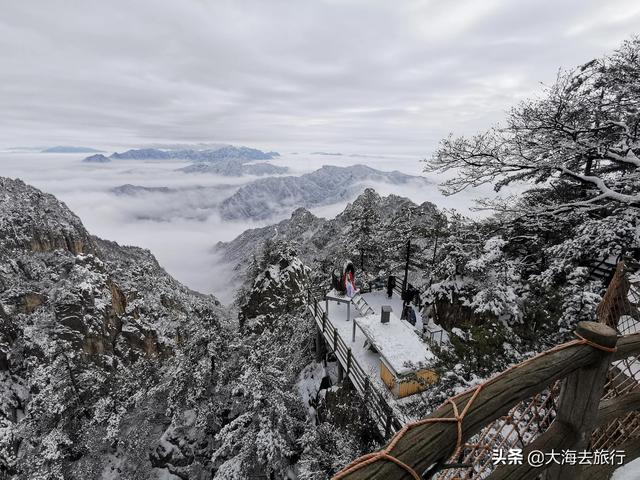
181, 227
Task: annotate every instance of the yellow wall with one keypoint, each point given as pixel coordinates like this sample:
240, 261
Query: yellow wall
387, 377
409, 386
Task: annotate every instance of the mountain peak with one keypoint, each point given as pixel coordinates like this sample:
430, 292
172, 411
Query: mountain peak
33, 220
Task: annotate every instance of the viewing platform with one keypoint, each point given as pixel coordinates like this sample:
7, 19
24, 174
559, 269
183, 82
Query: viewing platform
385, 362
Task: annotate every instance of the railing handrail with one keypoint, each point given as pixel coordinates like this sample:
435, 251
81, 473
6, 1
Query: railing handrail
496, 397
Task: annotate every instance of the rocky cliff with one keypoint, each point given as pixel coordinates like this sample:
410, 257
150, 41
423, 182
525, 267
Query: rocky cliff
100, 352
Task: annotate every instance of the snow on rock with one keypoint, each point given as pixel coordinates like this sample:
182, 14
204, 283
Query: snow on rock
266, 197
95, 346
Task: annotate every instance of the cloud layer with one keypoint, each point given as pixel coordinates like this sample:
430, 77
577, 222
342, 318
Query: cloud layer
357, 75
181, 226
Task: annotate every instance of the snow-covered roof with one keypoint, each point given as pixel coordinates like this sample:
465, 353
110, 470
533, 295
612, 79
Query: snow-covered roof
397, 342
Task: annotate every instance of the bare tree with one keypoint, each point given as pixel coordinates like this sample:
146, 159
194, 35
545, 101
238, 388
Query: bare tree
582, 131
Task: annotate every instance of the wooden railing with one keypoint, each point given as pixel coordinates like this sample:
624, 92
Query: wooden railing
386, 418
581, 365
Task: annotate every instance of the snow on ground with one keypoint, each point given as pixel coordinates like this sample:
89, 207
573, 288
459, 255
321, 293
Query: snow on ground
377, 299
630, 471
308, 384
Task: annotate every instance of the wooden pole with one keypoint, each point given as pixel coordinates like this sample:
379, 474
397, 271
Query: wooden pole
340, 372
580, 396
353, 326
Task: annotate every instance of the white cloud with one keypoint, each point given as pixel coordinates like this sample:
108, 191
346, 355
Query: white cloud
372, 76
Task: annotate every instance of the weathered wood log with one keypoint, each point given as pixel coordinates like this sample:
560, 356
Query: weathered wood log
628, 345
580, 397
613, 408
433, 443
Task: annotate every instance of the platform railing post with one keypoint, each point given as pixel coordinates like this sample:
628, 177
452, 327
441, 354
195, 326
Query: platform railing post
387, 426
580, 396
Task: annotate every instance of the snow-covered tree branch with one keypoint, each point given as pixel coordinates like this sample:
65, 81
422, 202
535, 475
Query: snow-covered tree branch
583, 131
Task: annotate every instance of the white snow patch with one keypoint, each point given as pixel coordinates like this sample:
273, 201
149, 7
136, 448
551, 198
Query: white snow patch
630, 471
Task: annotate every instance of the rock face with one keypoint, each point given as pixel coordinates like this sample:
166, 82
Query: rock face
264, 198
95, 348
280, 287
32, 220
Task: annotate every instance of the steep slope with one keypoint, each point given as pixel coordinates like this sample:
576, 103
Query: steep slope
263, 198
102, 354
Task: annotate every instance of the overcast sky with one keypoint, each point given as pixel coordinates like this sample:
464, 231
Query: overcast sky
350, 75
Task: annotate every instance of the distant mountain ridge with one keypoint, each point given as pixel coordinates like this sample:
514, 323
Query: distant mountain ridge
227, 160
70, 149
209, 155
97, 158
264, 198
271, 197
234, 167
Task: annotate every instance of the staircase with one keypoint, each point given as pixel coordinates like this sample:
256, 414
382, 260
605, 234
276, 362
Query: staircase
361, 305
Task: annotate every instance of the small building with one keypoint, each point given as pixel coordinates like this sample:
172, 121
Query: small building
404, 357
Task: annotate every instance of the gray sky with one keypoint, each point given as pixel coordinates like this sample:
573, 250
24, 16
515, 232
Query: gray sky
349, 75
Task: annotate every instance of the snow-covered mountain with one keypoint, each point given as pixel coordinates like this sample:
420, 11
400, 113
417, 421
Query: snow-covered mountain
266, 197
207, 155
110, 368
95, 346
70, 149
319, 238
234, 167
